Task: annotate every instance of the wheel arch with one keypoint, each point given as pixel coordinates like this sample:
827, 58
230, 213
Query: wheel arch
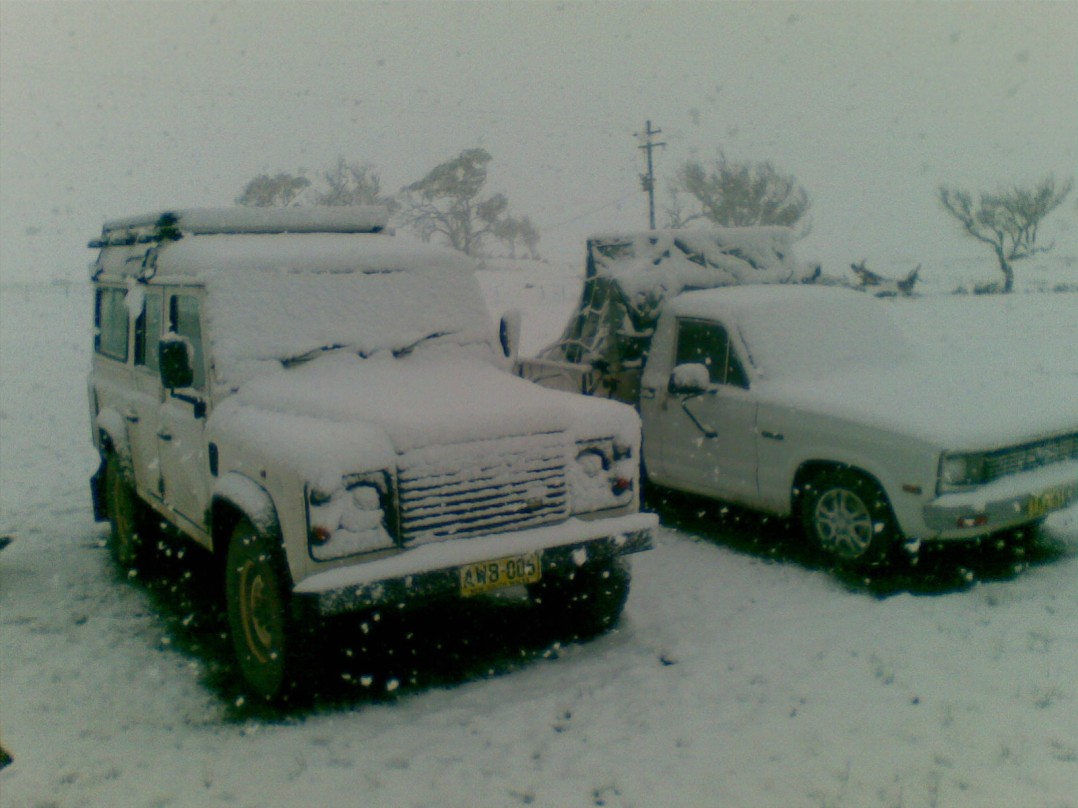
114, 439
810, 470
237, 497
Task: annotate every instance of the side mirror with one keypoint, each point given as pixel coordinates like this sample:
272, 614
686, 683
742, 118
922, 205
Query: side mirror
174, 353
690, 379
509, 333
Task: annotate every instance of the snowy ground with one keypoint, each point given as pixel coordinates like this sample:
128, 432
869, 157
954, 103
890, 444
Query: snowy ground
743, 673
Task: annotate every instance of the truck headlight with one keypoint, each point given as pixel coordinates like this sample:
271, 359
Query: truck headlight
960, 470
602, 476
352, 518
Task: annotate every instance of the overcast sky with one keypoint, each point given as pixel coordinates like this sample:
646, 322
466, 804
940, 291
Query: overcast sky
109, 109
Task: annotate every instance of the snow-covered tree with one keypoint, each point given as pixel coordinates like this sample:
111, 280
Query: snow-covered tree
448, 202
1008, 220
353, 184
736, 194
280, 190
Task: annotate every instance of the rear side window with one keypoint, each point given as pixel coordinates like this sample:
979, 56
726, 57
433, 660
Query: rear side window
111, 323
148, 332
708, 344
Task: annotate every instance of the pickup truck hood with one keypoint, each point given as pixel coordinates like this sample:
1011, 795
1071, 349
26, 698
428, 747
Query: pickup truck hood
942, 404
419, 401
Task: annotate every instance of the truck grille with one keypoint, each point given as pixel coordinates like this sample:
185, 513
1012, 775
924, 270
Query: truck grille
489, 486
1031, 455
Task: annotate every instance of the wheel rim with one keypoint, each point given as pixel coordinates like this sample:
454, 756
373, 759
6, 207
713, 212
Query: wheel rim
259, 613
844, 523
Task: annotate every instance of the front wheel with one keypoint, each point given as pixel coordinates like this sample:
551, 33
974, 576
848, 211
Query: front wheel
583, 600
848, 516
265, 636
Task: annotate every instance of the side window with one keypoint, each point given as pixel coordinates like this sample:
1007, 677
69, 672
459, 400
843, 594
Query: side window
148, 332
183, 320
708, 344
111, 323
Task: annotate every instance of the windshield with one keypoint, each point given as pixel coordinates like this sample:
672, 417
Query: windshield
288, 317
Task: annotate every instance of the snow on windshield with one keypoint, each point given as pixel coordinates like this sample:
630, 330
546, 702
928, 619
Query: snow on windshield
272, 299
804, 332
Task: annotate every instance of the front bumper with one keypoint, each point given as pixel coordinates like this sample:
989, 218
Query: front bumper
1006, 503
433, 570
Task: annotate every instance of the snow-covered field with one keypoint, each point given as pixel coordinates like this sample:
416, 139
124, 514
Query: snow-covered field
742, 674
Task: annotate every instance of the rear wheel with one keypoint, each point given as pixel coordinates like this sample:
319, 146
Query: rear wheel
584, 600
128, 520
848, 516
266, 638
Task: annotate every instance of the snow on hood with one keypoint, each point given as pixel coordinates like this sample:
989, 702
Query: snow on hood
438, 396
941, 403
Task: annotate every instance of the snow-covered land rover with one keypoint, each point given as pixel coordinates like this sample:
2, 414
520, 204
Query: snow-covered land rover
330, 412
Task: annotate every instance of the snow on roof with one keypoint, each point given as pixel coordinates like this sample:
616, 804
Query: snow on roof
210, 257
203, 221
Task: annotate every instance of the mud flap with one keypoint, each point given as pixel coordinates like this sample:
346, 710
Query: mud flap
97, 494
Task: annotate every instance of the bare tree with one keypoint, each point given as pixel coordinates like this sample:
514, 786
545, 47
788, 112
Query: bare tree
1008, 220
265, 191
353, 184
737, 194
447, 202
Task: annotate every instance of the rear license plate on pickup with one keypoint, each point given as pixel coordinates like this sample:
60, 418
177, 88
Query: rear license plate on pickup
1052, 500
490, 575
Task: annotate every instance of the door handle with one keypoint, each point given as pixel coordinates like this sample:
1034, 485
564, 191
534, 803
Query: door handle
164, 434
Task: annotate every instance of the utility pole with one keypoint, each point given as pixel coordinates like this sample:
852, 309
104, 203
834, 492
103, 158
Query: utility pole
647, 181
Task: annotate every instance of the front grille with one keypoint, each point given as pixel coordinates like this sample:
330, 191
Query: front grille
489, 486
1031, 456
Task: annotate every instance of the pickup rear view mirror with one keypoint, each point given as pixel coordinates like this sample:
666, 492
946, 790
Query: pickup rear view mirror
689, 379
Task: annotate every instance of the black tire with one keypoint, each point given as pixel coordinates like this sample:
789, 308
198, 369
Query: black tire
267, 639
579, 602
128, 518
848, 516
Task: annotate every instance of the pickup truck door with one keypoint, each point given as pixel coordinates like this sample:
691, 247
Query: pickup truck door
706, 437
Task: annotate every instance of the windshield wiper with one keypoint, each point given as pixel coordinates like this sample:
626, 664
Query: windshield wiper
407, 349
300, 358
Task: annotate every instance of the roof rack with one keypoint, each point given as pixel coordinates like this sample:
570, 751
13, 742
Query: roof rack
172, 225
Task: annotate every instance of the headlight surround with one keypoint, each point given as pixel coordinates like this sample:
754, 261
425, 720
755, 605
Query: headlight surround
353, 517
961, 470
602, 476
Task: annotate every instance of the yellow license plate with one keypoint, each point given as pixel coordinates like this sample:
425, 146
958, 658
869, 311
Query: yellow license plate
1051, 500
490, 575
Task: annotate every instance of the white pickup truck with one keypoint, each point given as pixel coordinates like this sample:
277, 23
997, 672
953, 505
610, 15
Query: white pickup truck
804, 399
810, 401
331, 413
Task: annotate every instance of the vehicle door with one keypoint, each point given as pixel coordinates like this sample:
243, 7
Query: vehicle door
146, 393
707, 431
185, 473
